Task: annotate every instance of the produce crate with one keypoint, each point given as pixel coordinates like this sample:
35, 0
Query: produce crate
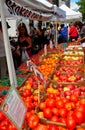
48, 120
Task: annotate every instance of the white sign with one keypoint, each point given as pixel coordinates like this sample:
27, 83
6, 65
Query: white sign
38, 74
30, 65
17, 10
14, 108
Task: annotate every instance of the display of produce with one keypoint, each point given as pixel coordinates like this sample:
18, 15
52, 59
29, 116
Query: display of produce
60, 105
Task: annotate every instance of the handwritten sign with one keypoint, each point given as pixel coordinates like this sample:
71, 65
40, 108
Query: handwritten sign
30, 65
14, 108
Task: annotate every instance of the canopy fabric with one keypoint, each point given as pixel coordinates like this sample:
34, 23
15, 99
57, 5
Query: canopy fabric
36, 10
60, 14
23, 9
37, 5
71, 14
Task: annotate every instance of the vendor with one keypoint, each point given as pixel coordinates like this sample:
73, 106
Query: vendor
24, 40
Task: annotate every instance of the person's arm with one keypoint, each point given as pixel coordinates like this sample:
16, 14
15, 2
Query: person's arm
29, 42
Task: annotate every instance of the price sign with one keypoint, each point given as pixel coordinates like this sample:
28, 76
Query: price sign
38, 74
30, 65
14, 108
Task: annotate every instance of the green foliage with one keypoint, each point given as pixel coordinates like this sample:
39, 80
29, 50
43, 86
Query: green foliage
81, 4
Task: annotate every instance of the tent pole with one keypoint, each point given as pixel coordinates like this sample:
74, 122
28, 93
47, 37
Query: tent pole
56, 41
12, 75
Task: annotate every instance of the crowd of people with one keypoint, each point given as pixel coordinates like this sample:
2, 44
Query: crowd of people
31, 43
71, 32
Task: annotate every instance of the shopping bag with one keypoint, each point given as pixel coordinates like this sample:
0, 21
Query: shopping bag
25, 56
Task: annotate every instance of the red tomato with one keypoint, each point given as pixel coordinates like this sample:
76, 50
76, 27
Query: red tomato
53, 127
51, 95
33, 121
71, 123
73, 104
74, 98
62, 112
26, 93
50, 103
55, 111
58, 98
54, 118
41, 127
65, 100
68, 106
11, 127
2, 117
4, 123
80, 128
62, 120
27, 115
47, 113
81, 108
82, 101
59, 104
70, 113
42, 105
78, 116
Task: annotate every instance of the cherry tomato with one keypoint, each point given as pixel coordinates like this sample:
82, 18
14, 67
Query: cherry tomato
41, 127
71, 123
26, 93
47, 113
54, 118
42, 105
50, 103
62, 120
78, 116
33, 121
53, 127
2, 117
74, 98
62, 112
59, 104
55, 111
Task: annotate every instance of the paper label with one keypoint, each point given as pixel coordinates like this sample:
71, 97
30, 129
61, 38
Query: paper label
14, 108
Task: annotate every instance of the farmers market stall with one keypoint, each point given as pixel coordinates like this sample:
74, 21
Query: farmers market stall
16, 9
51, 99
63, 98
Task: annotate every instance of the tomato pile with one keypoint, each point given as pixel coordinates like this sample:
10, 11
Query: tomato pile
62, 108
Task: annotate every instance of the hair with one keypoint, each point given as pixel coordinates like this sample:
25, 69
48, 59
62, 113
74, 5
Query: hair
79, 23
51, 26
31, 24
62, 25
22, 25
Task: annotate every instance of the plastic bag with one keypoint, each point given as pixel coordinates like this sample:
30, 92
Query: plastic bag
25, 56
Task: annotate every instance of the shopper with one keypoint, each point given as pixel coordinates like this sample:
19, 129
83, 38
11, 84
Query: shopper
73, 32
63, 33
52, 33
34, 38
24, 42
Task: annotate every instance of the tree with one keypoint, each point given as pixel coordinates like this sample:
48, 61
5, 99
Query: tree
81, 4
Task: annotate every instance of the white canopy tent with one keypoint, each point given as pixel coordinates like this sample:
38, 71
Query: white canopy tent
71, 14
36, 10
